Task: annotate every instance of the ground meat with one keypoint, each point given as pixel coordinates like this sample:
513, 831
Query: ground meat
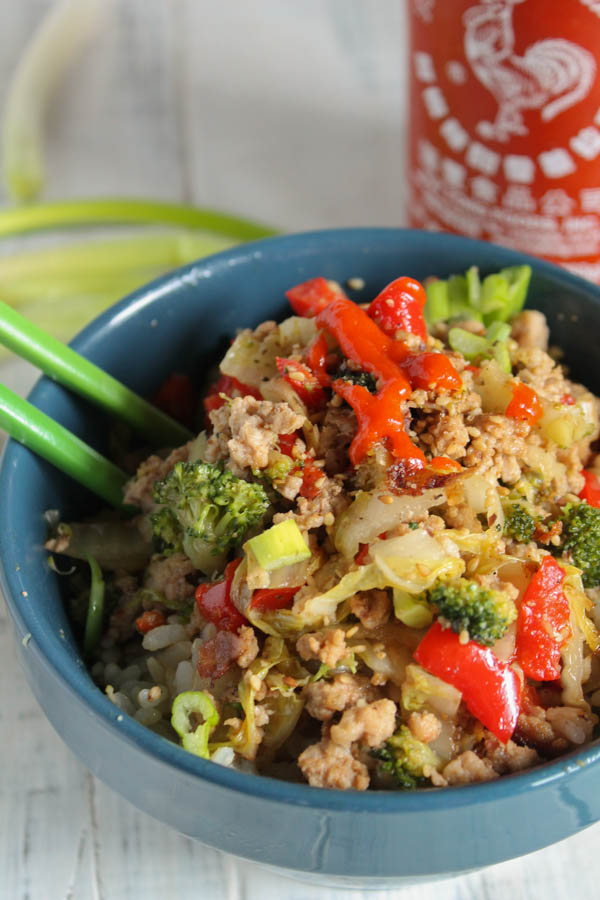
530, 329
509, 757
373, 608
445, 434
552, 731
571, 459
248, 646
573, 724
167, 576
138, 490
499, 444
250, 429
218, 653
331, 766
541, 372
335, 436
321, 510
325, 698
425, 726
327, 645
468, 768
370, 725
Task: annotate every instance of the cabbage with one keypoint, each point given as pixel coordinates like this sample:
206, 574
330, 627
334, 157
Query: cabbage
412, 611
252, 360
544, 463
422, 690
367, 517
483, 498
564, 425
580, 604
495, 388
296, 331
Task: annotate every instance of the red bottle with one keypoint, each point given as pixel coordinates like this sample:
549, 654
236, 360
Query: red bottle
505, 124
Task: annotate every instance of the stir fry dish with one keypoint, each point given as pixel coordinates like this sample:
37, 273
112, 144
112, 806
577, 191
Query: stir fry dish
378, 564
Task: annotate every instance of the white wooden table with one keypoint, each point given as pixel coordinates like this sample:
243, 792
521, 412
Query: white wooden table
288, 112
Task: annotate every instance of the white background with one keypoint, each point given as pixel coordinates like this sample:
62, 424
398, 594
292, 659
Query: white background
292, 112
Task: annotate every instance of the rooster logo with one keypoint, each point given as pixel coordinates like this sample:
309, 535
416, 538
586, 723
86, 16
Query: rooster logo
551, 76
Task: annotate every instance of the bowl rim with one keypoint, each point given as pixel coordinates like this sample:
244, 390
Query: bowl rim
82, 689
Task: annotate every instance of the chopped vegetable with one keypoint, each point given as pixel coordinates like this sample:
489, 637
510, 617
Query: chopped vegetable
227, 386
95, 613
406, 759
581, 539
273, 598
176, 397
205, 510
467, 607
590, 492
490, 688
413, 611
518, 523
399, 307
310, 297
543, 623
497, 298
149, 620
280, 545
215, 604
194, 717
303, 381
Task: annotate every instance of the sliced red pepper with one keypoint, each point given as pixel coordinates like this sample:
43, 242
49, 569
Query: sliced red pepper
150, 619
525, 404
431, 371
490, 688
590, 492
399, 307
310, 297
286, 443
303, 381
267, 599
215, 604
316, 359
229, 386
311, 475
176, 396
568, 399
543, 623
363, 552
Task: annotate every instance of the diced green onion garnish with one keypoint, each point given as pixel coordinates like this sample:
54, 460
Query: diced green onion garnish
280, 545
194, 717
95, 613
470, 345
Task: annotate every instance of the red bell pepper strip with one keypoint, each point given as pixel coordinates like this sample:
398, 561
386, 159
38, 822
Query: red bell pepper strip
590, 492
316, 359
267, 599
491, 689
311, 474
231, 387
445, 464
150, 619
215, 604
525, 404
286, 443
310, 297
176, 396
303, 381
399, 307
543, 623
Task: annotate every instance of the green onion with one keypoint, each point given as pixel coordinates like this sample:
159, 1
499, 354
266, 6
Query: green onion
470, 345
194, 717
95, 613
54, 46
280, 545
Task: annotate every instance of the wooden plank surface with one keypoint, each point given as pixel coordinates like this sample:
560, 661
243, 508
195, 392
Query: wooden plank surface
287, 112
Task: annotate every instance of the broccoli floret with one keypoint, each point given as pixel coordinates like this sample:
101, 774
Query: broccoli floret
365, 379
467, 606
205, 511
404, 758
518, 523
581, 539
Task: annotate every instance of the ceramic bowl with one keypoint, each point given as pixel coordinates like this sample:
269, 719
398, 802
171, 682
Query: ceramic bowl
375, 838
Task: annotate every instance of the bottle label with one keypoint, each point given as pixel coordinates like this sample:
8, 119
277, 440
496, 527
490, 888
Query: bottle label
505, 124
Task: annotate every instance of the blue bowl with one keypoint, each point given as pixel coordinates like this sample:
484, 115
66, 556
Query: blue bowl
368, 839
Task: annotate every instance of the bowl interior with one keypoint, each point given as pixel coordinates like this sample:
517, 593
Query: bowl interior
182, 323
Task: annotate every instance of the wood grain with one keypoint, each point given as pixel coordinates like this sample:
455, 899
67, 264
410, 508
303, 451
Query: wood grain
292, 113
